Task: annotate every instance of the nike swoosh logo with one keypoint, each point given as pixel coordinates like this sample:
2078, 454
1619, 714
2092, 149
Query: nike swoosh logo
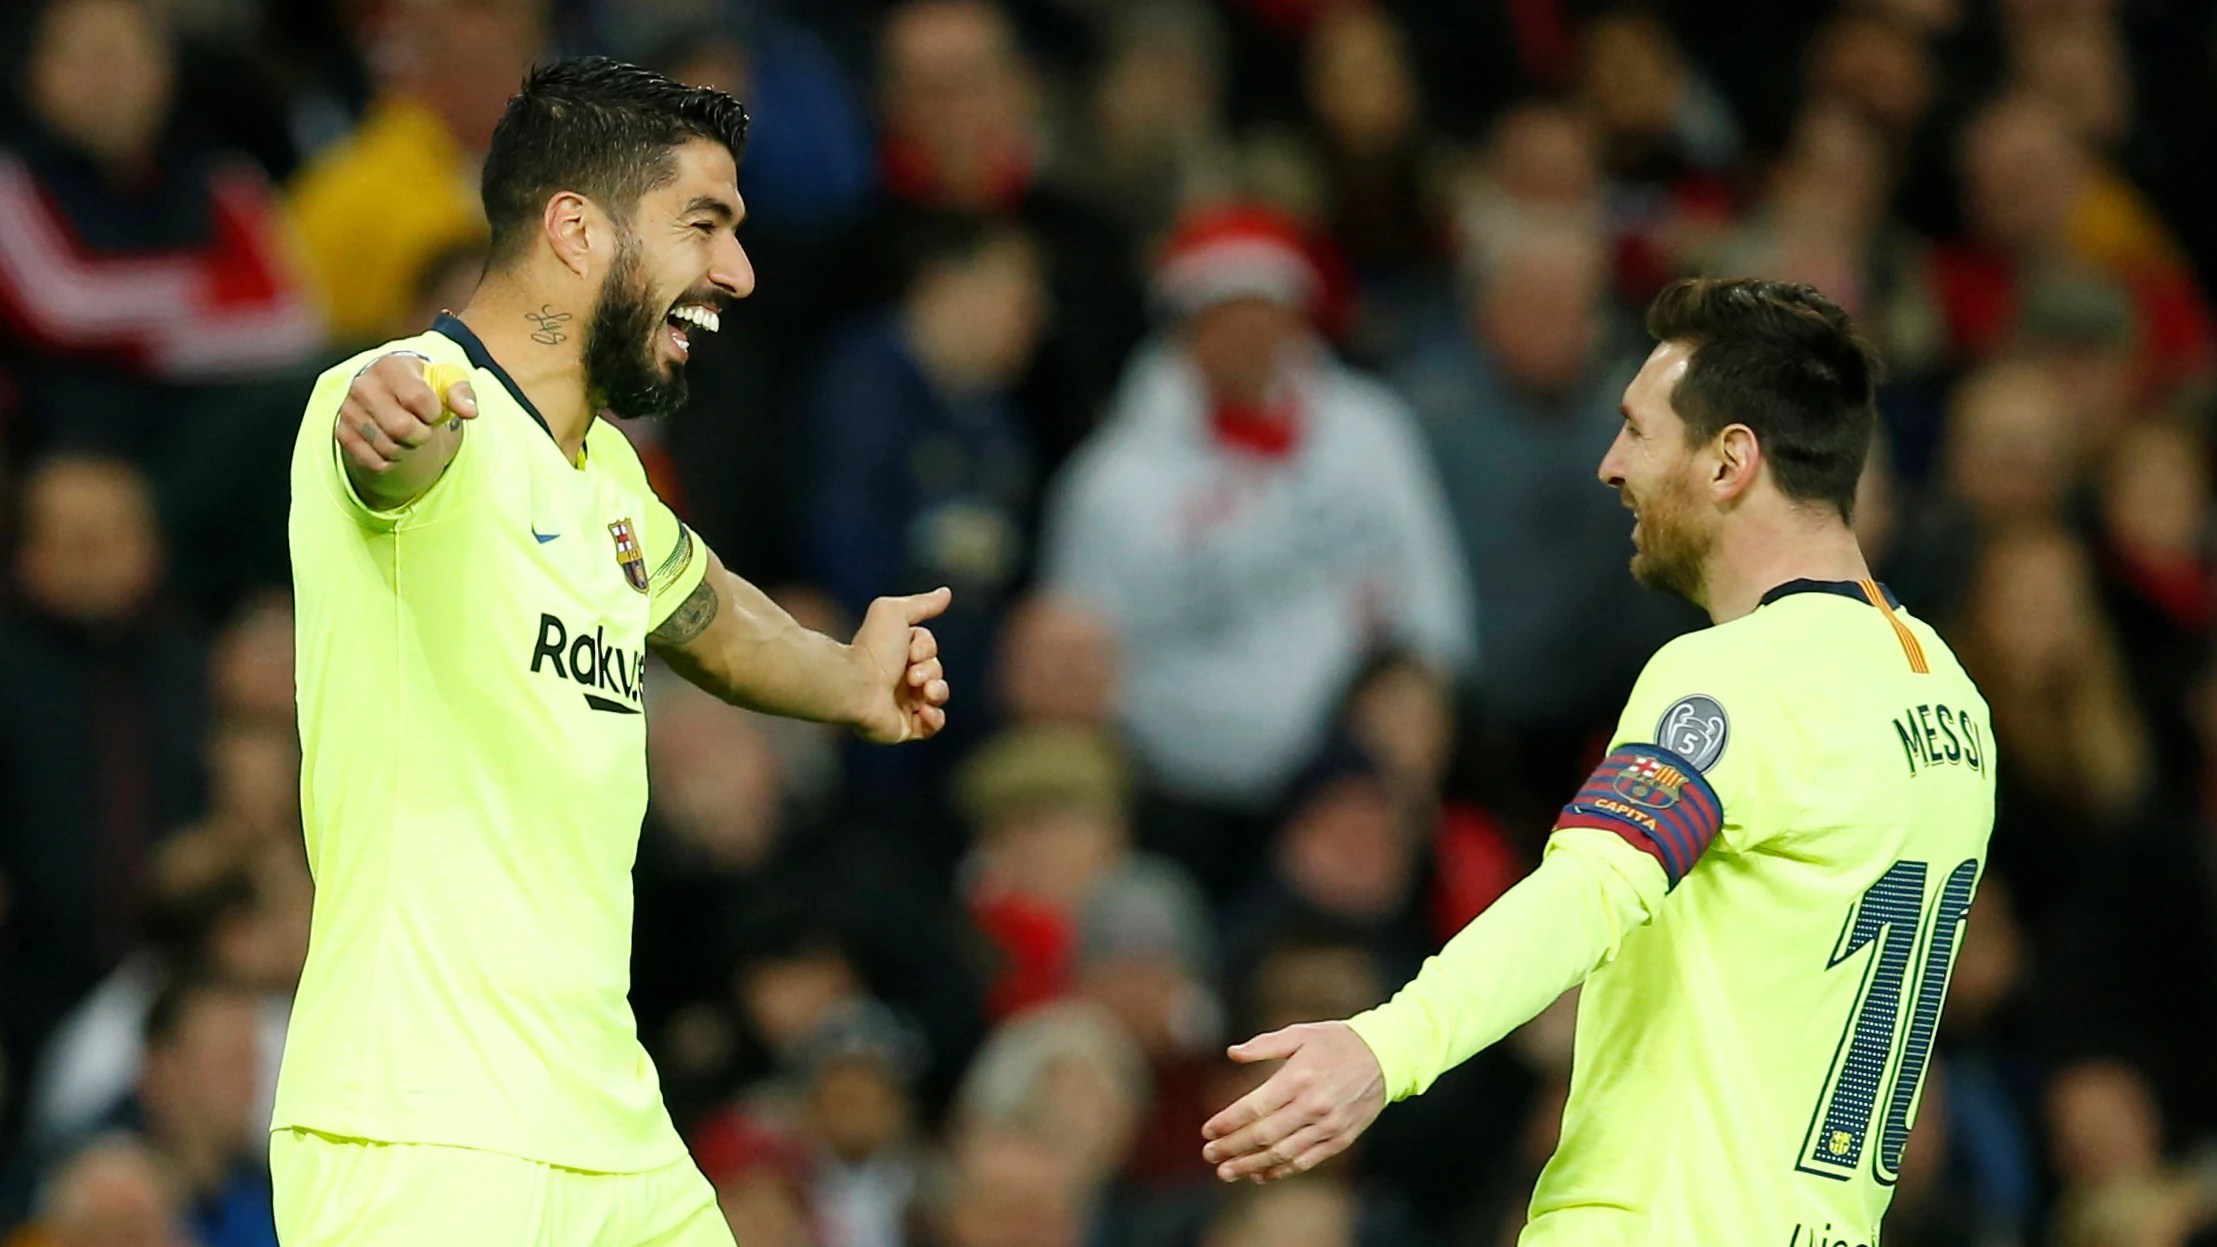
544, 537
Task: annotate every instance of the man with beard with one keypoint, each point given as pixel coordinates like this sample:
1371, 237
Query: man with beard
480, 574
1762, 887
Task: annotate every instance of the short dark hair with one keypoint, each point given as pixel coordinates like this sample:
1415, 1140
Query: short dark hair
1786, 362
598, 127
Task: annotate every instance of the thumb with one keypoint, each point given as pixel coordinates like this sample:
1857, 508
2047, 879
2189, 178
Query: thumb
918, 607
1275, 1046
462, 400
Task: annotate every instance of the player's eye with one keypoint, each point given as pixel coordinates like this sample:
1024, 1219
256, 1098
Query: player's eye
706, 228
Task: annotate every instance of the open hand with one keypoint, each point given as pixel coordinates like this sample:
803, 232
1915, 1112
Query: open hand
1326, 1095
391, 408
907, 697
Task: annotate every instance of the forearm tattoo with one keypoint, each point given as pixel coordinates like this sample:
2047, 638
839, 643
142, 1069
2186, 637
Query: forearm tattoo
691, 618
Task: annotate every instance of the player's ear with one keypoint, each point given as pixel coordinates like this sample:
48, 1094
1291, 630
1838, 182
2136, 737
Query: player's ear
569, 222
1739, 459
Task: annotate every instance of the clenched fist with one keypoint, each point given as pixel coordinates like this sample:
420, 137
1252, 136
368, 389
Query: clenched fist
398, 433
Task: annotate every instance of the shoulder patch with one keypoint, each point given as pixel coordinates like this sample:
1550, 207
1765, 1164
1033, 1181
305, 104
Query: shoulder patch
1696, 729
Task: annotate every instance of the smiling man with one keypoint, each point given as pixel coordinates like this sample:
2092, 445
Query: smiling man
1762, 886
480, 575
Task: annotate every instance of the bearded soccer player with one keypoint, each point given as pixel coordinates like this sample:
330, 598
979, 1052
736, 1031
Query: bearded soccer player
1762, 887
480, 576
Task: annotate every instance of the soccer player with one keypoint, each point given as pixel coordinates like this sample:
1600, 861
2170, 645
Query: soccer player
1762, 887
480, 576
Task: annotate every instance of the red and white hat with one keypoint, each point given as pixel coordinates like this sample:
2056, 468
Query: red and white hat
1236, 251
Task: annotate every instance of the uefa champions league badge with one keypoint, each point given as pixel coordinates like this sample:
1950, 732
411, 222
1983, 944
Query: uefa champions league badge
1696, 729
628, 554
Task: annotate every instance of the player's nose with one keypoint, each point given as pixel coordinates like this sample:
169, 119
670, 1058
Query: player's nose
1611, 470
732, 272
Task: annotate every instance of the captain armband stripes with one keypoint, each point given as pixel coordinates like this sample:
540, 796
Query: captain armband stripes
1656, 800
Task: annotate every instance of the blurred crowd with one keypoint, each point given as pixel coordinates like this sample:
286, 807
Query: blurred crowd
1244, 366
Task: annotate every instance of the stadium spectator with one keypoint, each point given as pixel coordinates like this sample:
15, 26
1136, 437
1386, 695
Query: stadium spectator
2009, 457
858, 1073
2036, 199
2033, 636
377, 209
1824, 221
2106, 1134
1068, 1075
1880, 66
960, 122
1008, 1188
1058, 663
1253, 518
923, 471
135, 262
1146, 953
1160, 142
1049, 808
101, 708
760, 1176
1664, 134
2154, 502
1402, 714
113, 1193
1345, 852
1317, 1212
196, 1103
1519, 402
1384, 173
247, 925
250, 662
1538, 165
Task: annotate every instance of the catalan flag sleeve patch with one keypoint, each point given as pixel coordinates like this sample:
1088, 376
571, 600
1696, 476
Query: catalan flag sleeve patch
1656, 800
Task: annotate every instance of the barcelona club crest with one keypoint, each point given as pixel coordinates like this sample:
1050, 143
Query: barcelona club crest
1651, 782
628, 554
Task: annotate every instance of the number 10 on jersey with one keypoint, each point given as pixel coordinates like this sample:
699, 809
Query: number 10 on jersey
1875, 1057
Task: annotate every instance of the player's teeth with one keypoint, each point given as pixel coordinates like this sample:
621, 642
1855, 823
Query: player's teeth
710, 320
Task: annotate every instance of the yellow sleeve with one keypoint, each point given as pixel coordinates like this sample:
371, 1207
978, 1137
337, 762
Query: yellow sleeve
1694, 699
1543, 937
326, 462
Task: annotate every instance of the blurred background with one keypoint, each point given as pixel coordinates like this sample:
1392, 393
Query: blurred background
1244, 366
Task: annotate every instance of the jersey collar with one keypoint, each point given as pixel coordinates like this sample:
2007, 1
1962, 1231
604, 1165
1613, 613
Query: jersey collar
1840, 588
451, 327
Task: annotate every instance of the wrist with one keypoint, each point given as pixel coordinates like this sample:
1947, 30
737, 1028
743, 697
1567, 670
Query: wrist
1376, 1032
859, 686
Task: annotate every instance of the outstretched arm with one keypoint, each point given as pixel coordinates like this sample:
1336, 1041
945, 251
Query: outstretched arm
729, 638
1544, 936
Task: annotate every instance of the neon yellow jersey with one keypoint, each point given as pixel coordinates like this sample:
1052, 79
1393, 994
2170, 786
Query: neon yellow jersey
1762, 888
473, 775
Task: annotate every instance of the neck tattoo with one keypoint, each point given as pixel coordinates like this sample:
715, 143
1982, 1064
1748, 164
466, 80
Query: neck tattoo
549, 330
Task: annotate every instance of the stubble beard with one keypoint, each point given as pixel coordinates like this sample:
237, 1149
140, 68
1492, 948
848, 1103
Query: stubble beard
1673, 549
